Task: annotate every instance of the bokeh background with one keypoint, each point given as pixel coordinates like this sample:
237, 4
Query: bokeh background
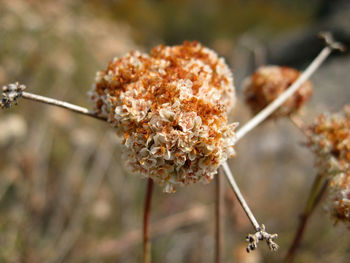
64, 193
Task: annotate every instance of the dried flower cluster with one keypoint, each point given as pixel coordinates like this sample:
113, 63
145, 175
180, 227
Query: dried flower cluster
10, 94
171, 108
260, 235
268, 83
329, 139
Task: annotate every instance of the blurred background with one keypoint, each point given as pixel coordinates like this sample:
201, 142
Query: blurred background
64, 193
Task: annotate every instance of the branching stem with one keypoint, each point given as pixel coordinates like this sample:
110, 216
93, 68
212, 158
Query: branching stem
265, 113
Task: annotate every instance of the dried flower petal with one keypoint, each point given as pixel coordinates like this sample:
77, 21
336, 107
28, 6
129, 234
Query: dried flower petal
171, 107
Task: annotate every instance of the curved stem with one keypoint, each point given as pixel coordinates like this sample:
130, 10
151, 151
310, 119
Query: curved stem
146, 220
318, 189
219, 198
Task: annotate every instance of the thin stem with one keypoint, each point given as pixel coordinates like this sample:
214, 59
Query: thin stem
219, 215
318, 189
239, 196
62, 104
146, 220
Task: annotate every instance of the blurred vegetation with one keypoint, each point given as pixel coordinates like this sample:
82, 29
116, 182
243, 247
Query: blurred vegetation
173, 21
64, 194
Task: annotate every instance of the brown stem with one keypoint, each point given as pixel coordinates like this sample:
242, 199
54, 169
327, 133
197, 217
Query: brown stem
146, 220
219, 198
318, 189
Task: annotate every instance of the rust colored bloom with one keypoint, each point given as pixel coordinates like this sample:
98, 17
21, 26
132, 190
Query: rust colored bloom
329, 139
268, 83
171, 107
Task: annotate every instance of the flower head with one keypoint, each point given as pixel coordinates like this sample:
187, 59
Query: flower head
329, 139
171, 107
268, 83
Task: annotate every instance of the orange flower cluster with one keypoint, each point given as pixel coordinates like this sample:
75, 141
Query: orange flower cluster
268, 83
171, 108
330, 141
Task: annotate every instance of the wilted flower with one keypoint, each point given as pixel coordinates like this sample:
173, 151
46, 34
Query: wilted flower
170, 107
268, 83
329, 139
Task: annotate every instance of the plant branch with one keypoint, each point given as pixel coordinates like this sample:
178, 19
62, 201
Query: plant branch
12, 92
61, 104
315, 64
146, 220
259, 118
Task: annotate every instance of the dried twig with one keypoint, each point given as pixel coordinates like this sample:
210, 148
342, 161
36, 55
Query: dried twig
259, 118
12, 92
265, 113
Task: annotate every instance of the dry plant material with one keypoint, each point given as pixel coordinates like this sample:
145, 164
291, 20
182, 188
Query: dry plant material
10, 94
171, 108
253, 239
330, 141
268, 83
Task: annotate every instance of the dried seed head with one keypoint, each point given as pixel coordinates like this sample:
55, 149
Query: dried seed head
329, 139
171, 107
268, 83
10, 94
